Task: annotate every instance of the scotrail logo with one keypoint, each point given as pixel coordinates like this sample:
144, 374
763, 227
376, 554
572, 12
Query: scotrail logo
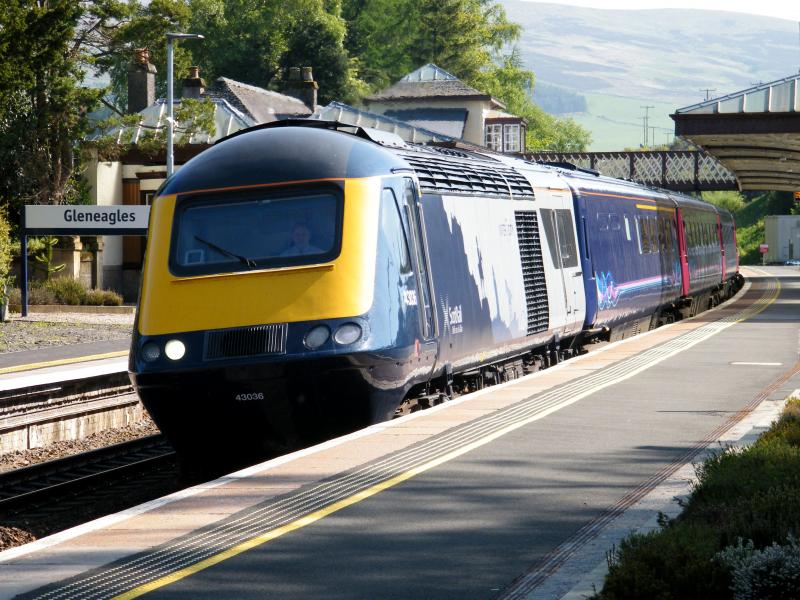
453, 317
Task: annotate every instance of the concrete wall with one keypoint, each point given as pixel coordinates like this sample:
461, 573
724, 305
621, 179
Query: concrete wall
106, 182
782, 233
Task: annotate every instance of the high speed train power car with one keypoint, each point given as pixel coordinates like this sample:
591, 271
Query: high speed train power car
307, 277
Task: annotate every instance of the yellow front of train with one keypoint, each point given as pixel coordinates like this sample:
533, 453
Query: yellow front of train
258, 288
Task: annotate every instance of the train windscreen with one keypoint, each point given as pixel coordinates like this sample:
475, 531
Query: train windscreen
256, 231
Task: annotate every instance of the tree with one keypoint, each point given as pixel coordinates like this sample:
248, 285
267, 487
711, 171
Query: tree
472, 39
142, 25
44, 108
256, 42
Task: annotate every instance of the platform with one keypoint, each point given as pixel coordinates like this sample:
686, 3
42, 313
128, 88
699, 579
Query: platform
61, 356
488, 495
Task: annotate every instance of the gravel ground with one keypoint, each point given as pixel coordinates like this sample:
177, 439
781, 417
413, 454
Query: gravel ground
59, 329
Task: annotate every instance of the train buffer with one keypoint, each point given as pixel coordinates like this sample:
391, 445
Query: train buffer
515, 491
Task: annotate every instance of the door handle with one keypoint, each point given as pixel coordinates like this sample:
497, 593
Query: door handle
577, 273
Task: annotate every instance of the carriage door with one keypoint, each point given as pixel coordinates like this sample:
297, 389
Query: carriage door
560, 227
425, 286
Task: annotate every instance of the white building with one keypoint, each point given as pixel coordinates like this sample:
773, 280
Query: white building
782, 234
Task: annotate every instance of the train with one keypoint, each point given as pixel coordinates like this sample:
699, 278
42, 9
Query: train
304, 278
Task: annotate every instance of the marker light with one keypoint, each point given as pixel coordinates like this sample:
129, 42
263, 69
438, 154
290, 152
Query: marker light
317, 336
151, 352
175, 349
348, 333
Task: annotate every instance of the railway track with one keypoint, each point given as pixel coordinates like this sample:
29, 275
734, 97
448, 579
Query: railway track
56, 485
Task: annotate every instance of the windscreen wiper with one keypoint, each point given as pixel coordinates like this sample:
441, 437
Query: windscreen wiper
249, 262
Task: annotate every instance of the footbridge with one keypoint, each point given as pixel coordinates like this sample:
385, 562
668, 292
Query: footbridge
678, 170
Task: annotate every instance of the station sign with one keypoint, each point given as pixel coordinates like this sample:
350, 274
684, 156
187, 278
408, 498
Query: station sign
86, 219
763, 248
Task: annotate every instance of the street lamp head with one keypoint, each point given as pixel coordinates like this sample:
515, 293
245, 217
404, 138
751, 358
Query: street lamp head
185, 36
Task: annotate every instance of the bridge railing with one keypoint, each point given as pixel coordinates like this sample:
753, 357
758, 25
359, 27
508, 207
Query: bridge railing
679, 170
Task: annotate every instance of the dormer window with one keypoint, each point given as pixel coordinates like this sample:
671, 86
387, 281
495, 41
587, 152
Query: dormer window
505, 134
494, 137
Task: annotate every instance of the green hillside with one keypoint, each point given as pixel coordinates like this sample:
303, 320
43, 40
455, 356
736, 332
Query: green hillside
616, 124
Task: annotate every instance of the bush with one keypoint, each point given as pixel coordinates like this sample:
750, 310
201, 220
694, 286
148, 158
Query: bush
66, 290
57, 292
769, 574
787, 427
103, 298
5, 255
675, 562
40, 295
749, 493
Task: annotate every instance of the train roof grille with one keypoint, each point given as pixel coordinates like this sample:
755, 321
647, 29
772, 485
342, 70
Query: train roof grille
444, 174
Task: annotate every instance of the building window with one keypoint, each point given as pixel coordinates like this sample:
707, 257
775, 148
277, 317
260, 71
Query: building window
494, 137
511, 138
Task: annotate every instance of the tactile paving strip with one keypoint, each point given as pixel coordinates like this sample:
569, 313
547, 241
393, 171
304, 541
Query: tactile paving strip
137, 574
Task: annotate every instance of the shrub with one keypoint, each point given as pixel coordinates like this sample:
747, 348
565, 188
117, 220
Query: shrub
103, 298
787, 427
675, 562
111, 298
66, 290
38, 294
769, 574
5, 255
749, 493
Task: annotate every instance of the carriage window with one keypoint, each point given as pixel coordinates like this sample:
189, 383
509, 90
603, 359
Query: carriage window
614, 221
566, 238
560, 234
654, 241
638, 234
256, 230
392, 231
645, 236
602, 221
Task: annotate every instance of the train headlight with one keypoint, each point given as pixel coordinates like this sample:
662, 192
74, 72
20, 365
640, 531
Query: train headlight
150, 352
349, 333
317, 336
175, 349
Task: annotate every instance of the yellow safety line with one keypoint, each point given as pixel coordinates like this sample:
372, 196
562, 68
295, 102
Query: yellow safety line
397, 479
62, 361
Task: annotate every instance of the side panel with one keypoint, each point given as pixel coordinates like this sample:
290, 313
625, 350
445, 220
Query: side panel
631, 247
478, 278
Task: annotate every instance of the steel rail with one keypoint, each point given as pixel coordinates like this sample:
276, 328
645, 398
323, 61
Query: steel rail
21, 489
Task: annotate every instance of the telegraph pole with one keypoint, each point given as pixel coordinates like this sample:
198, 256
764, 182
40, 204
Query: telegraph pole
708, 92
646, 120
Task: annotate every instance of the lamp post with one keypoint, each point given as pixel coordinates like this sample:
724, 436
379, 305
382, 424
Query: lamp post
170, 109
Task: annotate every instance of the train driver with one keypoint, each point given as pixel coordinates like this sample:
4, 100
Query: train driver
301, 237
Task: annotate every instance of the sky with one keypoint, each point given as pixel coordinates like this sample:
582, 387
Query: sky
783, 9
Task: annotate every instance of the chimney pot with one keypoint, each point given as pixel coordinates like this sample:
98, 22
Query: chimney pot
141, 82
302, 86
194, 85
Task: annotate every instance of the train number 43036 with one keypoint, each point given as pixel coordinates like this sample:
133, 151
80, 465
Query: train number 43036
249, 396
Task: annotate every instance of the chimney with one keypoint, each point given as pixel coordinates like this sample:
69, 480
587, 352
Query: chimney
302, 86
193, 85
141, 82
